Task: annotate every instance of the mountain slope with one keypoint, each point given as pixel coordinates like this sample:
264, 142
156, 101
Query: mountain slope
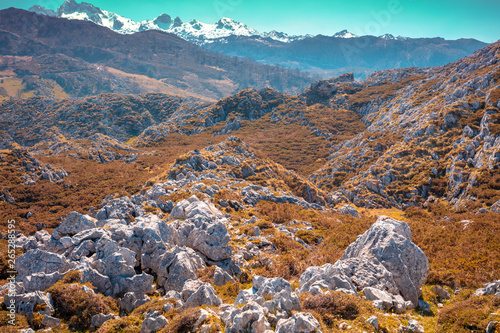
325, 55
157, 55
431, 133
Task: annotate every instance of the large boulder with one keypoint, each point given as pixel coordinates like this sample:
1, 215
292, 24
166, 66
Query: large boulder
200, 226
274, 294
177, 266
389, 241
73, 224
299, 322
205, 295
347, 276
40, 261
250, 317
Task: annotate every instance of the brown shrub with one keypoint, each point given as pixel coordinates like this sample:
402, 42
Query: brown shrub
129, 324
182, 322
77, 306
470, 315
332, 307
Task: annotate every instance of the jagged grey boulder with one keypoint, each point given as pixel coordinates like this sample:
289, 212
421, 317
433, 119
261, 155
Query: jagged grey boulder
73, 224
99, 319
120, 208
347, 276
349, 210
250, 317
299, 322
441, 292
49, 321
205, 295
26, 303
491, 288
389, 241
153, 324
200, 226
221, 277
177, 266
40, 261
41, 281
413, 327
275, 294
131, 301
193, 206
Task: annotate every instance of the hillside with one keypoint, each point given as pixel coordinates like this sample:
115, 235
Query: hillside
330, 55
431, 134
354, 206
165, 58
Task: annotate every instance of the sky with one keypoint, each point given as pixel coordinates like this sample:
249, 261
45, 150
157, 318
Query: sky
451, 19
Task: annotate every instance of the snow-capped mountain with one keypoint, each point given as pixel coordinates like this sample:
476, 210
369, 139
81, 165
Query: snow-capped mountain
392, 37
344, 34
193, 30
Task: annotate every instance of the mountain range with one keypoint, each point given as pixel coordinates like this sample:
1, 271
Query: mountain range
321, 55
54, 56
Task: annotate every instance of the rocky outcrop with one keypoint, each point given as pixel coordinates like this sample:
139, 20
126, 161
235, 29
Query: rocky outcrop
383, 263
389, 241
299, 322
492, 288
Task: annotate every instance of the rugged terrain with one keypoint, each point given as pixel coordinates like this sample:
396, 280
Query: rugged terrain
57, 57
352, 206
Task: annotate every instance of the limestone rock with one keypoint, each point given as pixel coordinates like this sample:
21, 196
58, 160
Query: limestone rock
492, 288
250, 317
153, 324
389, 241
177, 266
221, 277
373, 320
26, 303
49, 321
73, 224
299, 322
413, 327
349, 210
132, 300
99, 319
40, 261
41, 281
205, 295
441, 292
277, 292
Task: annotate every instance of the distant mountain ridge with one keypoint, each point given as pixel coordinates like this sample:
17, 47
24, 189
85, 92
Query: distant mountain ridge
321, 55
75, 54
194, 31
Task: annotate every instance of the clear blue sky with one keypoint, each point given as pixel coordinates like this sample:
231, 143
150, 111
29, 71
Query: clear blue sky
450, 19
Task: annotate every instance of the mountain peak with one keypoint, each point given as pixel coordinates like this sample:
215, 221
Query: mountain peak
344, 34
